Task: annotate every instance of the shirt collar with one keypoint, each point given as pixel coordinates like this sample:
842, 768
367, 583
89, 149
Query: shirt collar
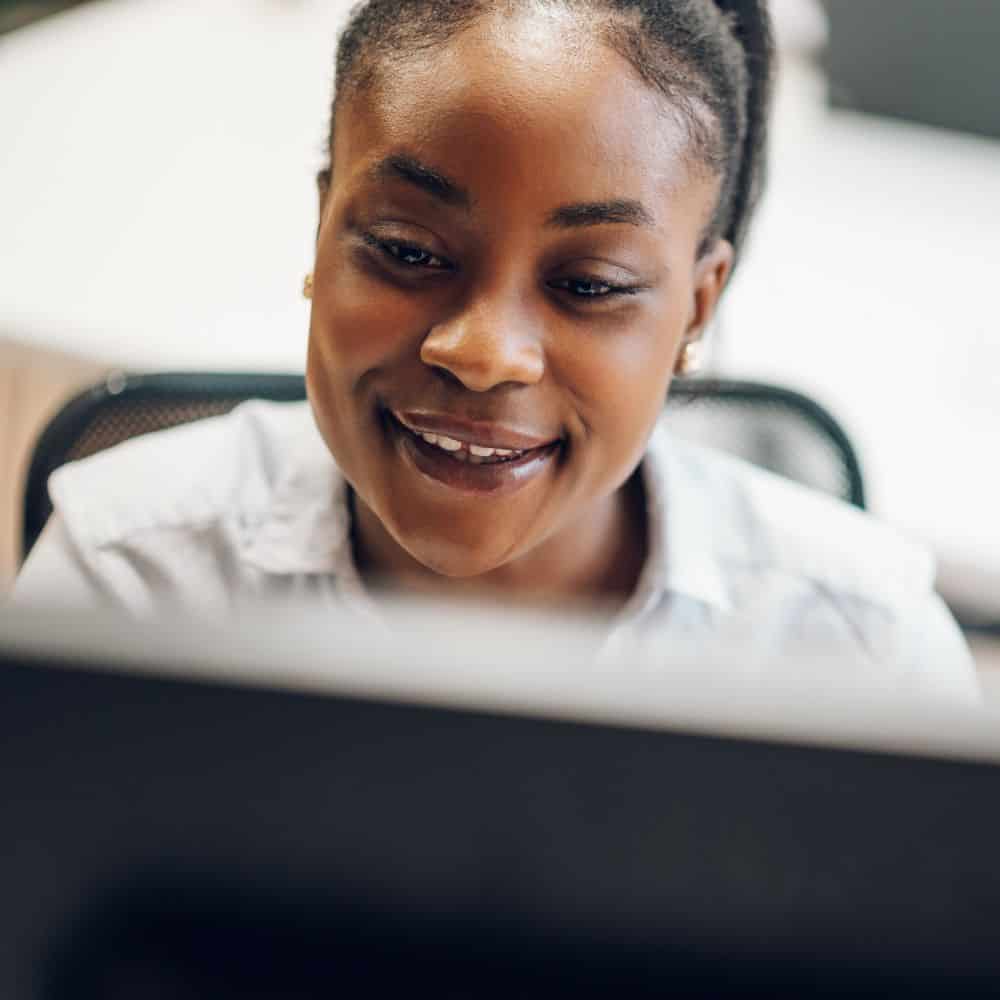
306, 527
684, 544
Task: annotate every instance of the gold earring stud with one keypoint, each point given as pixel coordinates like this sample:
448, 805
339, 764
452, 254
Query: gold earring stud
307, 286
688, 362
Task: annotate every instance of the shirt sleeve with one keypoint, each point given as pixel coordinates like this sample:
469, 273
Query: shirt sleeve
932, 647
55, 574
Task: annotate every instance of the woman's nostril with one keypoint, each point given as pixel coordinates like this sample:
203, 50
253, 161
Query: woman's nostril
448, 377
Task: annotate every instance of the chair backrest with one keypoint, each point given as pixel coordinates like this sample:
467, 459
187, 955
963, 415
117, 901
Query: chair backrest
779, 429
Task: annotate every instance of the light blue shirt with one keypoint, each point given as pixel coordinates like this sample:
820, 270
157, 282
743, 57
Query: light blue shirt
251, 506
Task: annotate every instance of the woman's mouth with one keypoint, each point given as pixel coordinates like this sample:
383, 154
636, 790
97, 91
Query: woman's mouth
486, 459
463, 451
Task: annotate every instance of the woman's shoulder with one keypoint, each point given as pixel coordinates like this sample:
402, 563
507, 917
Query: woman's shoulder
182, 477
201, 516
754, 521
789, 568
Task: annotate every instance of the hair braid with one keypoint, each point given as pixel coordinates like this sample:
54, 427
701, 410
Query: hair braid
751, 26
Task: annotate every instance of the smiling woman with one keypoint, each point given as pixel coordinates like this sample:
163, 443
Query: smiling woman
460, 291
529, 214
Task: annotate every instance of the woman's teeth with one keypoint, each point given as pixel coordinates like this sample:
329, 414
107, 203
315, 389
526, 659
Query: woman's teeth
475, 453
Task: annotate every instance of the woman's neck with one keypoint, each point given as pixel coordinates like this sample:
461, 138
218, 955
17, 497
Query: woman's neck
597, 558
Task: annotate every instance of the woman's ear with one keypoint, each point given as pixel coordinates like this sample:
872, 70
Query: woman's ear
711, 273
323, 189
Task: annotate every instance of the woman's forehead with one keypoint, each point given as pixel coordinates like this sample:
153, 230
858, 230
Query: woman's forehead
499, 116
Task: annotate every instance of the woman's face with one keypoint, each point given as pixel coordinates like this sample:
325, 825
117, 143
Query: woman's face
506, 270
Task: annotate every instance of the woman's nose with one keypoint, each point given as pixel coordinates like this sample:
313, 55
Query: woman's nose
484, 350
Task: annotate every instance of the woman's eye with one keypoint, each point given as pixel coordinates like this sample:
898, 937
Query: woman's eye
412, 255
408, 254
591, 288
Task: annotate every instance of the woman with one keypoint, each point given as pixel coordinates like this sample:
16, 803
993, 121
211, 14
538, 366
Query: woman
530, 212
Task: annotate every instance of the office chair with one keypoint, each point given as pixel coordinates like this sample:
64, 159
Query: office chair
776, 428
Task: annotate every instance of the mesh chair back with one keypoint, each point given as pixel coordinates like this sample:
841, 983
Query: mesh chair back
776, 428
126, 406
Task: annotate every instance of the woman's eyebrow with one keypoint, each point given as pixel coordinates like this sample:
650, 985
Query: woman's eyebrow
427, 179
437, 184
596, 213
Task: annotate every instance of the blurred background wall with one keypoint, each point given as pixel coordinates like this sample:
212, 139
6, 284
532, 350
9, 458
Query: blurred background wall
158, 208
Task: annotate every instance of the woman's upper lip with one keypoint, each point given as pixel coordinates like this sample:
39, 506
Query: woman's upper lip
485, 432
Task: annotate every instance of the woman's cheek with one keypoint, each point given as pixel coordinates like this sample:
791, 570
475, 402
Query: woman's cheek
361, 322
623, 370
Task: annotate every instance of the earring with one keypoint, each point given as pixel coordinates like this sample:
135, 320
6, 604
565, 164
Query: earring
307, 286
688, 362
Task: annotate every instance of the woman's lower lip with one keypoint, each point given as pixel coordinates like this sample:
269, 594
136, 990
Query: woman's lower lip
496, 478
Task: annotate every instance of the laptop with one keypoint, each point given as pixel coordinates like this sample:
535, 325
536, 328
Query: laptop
315, 807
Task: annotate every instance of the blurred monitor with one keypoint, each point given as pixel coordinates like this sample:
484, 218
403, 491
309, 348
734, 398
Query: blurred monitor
170, 835
922, 60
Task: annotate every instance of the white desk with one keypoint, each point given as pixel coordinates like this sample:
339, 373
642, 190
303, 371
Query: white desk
157, 184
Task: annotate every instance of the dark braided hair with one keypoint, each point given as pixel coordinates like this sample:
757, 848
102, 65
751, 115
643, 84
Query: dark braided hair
711, 56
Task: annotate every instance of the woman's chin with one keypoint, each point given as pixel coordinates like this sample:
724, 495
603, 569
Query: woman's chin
456, 562
457, 557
